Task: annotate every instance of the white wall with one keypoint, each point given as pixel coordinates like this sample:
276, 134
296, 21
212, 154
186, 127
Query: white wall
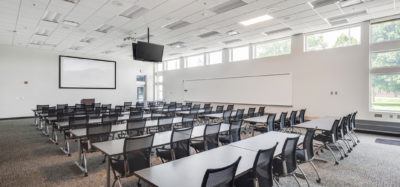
40, 69
315, 75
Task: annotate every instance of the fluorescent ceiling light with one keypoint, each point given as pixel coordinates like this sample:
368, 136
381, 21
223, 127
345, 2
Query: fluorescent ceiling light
71, 23
134, 12
227, 6
199, 48
231, 41
339, 22
347, 3
36, 42
208, 34
104, 28
232, 33
172, 54
51, 16
348, 15
176, 25
177, 44
256, 20
321, 3
42, 32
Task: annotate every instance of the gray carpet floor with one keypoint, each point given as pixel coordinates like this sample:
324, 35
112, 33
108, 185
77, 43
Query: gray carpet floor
28, 158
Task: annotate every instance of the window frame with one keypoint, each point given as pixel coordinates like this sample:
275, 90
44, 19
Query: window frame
241, 46
272, 41
187, 61
208, 59
172, 60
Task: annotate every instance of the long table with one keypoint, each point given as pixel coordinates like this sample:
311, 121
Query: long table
324, 124
189, 171
115, 147
219, 115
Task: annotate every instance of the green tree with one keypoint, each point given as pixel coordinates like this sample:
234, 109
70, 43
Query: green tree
344, 40
315, 42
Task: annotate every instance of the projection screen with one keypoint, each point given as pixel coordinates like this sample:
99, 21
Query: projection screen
83, 73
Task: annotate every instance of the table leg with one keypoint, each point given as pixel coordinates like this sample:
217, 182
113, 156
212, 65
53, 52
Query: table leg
108, 170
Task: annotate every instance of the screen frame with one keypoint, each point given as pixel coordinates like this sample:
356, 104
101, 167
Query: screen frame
59, 73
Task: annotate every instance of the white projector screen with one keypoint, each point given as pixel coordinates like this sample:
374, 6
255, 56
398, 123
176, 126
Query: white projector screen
86, 73
275, 89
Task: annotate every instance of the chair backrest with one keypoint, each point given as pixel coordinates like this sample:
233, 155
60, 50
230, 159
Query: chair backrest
127, 104
226, 117
95, 113
211, 134
271, 122
165, 124
289, 155
194, 111
239, 114
52, 112
173, 103
137, 151
77, 121
230, 107
261, 110
207, 105
135, 127
109, 118
208, 110
251, 112
63, 115
342, 127
40, 107
353, 121
62, 106
282, 120
262, 167
137, 115
221, 177
185, 108
334, 130
105, 107
189, 104
97, 105
292, 118
308, 144
234, 130
165, 106
219, 109
301, 115
188, 120
98, 133
196, 106
178, 105
171, 108
151, 104
180, 143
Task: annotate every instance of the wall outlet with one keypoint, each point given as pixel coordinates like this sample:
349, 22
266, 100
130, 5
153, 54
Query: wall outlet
378, 115
390, 115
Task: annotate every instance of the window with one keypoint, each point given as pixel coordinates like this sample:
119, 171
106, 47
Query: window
195, 61
385, 31
173, 64
333, 39
385, 66
159, 79
239, 53
274, 48
215, 57
159, 67
159, 92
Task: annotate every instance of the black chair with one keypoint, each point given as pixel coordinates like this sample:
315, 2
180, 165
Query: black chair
194, 111
301, 116
155, 114
77, 121
203, 118
261, 174
109, 118
251, 112
329, 139
280, 124
105, 108
188, 120
267, 126
189, 104
261, 111
94, 113
221, 177
136, 115
230, 107
210, 138
233, 133
136, 156
226, 116
219, 109
196, 106
165, 124
306, 154
185, 108
97, 105
292, 120
135, 127
127, 106
62, 106
171, 110
179, 145
353, 126
239, 114
342, 132
207, 105
179, 105
286, 164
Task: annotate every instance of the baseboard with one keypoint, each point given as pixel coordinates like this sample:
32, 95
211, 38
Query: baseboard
380, 127
23, 117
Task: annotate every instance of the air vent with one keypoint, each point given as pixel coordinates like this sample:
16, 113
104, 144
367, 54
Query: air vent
104, 28
122, 45
378, 115
231, 41
134, 12
177, 25
287, 29
321, 3
339, 22
227, 6
348, 3
71, 23
51, 16
232, 33
208, 34
177, 44
42, 32
36, 42
87, 40
348, 15
199, 48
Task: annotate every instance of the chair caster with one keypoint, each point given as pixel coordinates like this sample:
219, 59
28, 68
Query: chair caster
318, 180
85, 174
341, 158
336, 163
322, 151
69, 154
346, 155
358, 141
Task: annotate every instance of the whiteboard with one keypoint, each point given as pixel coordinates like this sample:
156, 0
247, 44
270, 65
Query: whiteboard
272, 89
87, 73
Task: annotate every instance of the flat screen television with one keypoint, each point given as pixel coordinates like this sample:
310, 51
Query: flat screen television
147, 51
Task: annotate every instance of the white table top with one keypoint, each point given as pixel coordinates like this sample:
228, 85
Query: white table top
188, 112
258, 119
219, 115
324, 123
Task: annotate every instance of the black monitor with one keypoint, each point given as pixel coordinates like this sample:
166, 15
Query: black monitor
147, 51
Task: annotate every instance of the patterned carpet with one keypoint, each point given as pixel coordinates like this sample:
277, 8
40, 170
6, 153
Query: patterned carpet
28, 158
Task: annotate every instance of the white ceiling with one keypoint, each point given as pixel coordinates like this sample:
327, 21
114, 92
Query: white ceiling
22, 24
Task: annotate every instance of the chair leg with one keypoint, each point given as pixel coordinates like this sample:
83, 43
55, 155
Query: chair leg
340, 149
305, 176
358, 141
297, 180
330, 150
276, 181
316, 171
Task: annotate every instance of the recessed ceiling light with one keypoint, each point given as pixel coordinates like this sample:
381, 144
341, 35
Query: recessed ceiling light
104, 28
176, 25
286, 29
71, 23
51, 16
231, 41
339, 22
199, 48
227, 6
256, 20
208, 34
347, 3
232, 33
134, 12
177, 44
321, 3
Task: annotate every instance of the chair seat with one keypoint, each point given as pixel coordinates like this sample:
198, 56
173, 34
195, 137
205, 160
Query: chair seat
85, 146
245, 180
300, 155
165, 154
323, 138
225, 139
261, 129
198, 146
